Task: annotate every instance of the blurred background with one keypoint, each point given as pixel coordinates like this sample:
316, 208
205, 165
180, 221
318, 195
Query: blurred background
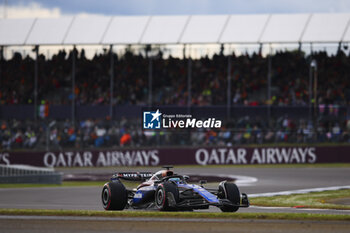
75, 75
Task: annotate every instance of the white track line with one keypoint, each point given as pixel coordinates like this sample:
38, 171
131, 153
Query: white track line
299, 191
300, 209
240, 180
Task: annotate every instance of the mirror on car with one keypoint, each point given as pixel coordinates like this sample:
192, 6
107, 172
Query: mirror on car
201, 182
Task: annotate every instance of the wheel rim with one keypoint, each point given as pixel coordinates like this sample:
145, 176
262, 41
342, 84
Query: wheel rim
221, 193
160, 197
105, 196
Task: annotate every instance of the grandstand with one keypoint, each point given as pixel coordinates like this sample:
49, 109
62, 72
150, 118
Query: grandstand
269, 95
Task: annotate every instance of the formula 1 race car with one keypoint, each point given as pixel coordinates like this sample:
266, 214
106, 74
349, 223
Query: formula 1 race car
167, 191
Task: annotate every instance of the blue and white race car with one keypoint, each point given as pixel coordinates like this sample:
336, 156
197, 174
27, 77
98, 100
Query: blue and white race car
167, 191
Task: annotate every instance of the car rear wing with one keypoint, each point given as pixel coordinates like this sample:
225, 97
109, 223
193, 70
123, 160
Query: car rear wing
133, 176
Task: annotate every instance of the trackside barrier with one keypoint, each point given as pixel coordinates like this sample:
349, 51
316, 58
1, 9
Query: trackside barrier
29, 174
129, 156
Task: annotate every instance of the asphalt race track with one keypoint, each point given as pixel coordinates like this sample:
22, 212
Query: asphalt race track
252, 180
267, 180
43, 224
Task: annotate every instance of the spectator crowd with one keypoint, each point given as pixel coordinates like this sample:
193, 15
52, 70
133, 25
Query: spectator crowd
88, 134
289, 79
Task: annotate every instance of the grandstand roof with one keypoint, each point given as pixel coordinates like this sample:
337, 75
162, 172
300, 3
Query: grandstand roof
285, 28
164, 29
126, 30
52, 35
244, 29
204, 29
87, 30
195, 29
326, 27
15, 31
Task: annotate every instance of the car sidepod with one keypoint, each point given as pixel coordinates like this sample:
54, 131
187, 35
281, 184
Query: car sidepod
144, 195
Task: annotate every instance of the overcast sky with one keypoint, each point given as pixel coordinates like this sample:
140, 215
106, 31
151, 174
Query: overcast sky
16, 8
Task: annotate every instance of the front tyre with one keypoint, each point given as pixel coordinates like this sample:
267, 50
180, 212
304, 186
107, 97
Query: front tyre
114, 196
166, 196
230, 192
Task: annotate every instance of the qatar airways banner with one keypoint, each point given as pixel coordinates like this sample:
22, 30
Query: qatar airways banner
180, 156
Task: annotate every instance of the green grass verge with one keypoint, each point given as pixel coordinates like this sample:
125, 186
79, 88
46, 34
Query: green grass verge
277, 216
320, 200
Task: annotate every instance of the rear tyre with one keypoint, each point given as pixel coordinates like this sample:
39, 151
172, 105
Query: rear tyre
230, 192
114, 196
166, 196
